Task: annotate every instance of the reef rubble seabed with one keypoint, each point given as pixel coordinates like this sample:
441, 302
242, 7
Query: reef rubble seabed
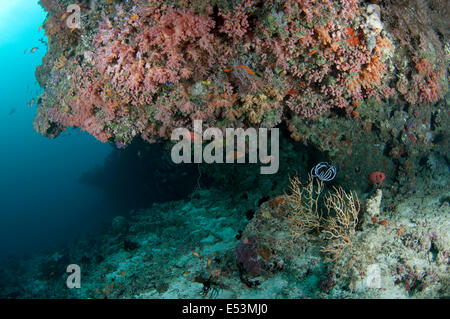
192, 248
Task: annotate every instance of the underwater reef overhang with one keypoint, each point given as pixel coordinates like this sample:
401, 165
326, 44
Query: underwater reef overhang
335, 73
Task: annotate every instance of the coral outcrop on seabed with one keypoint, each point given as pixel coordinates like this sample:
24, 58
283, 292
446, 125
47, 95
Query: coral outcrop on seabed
208, 246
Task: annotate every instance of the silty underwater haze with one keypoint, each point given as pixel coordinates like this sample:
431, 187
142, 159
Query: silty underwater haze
353, 92
42, 202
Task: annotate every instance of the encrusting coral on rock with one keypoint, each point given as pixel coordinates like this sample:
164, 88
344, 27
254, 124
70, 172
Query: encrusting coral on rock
143, 69
373, 204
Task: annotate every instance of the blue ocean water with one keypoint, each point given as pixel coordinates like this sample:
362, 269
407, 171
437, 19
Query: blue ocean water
41, 202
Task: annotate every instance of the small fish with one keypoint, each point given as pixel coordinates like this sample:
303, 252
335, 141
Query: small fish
11, 112
64, 16
206, 82
31, 103
355, 114
40, 27
374, 220
208, 262
133, 18
25, 51
196, 253
383, 222
33, 49
246, 68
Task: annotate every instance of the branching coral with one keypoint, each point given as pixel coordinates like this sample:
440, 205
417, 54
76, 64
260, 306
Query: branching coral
337, 225
339, 229
304, 215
